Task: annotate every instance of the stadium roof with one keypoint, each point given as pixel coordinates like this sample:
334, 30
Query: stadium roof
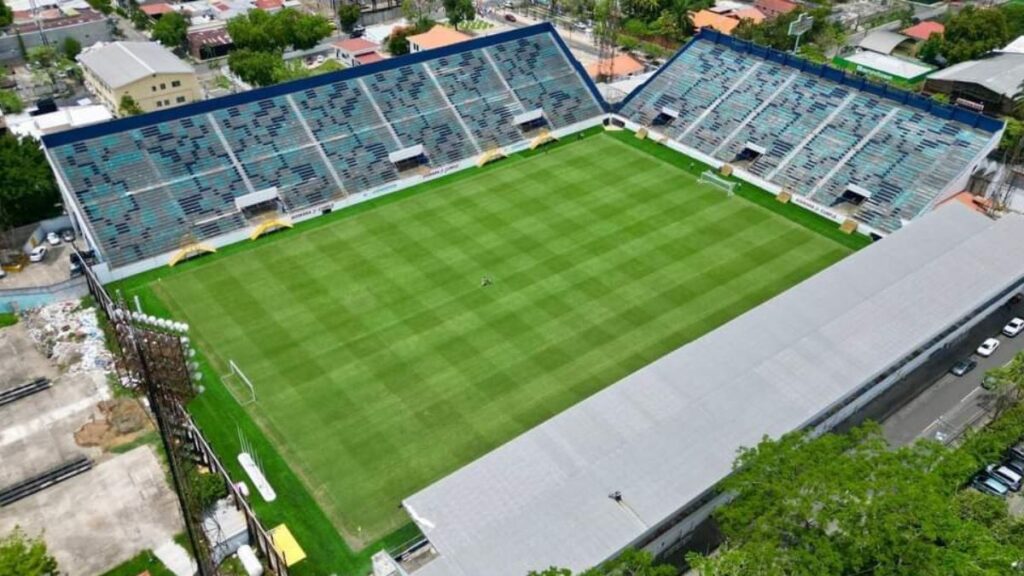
1001, 73
121, 63
668, 433
883, 41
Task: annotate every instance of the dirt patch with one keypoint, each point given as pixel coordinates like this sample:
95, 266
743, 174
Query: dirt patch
124, 420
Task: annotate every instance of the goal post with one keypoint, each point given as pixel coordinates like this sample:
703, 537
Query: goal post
709, 177
244, 392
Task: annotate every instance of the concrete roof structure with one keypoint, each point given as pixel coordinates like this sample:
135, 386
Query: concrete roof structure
620, 66
1016, 46
668, 433
883, 41
438, 37
121, 63
1001, 73
709, 19
923, 30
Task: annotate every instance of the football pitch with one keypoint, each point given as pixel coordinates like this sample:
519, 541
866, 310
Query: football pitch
383, 361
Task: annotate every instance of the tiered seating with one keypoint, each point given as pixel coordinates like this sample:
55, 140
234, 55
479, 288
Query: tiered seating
475, 89
356, 140
731, 112
819, 136
419, 114
790, 117
689, 85
542, 77
814, 161
149, 184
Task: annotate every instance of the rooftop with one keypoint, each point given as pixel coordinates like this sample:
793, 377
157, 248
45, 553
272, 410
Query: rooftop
121, 63
356, 45
709, 19
369, 58
883, 41
54, 19
1001, 73
438, 37
899, 67
621, 65
783, 6
923, 30
665, 435
157, 9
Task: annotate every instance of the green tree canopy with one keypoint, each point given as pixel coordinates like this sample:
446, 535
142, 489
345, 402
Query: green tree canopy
128, 106
459, 11
171, 30
29, 191
970, 34
6, 15
348, 15
261, 31
10, 102
629, 563
850, 504
256, 67
24, 556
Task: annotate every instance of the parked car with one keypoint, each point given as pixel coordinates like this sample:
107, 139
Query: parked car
510, 18
38, 253
67, 235
1006, 475
53, 238
1014, 327
1016, 452
1015, 464
988, 347
988, 485
357, 31
75, 261
963, 367
2, 273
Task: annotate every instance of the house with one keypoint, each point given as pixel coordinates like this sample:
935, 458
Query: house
146, 71
988, 84
620, 67
356, 51
85, 25
156, 10
923, 30
725, 20
775, 8
437, 37
885, 42
209, 41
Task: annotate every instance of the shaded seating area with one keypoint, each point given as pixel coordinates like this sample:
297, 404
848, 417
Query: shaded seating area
410, 158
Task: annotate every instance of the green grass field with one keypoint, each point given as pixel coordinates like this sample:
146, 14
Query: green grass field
381, 364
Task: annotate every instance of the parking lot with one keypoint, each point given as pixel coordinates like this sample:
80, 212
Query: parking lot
949, 404
54, 268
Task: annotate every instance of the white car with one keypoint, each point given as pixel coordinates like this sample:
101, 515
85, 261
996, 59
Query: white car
53, 238
38, 254
1014, 327
988, 347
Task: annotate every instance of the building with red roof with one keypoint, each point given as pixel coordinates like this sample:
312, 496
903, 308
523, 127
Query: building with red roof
924, 30
156, 10
775, 8
357, 51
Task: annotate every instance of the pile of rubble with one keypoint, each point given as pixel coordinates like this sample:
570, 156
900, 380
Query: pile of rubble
71, 336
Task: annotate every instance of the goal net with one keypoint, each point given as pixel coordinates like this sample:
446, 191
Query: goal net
709, 177
239, 384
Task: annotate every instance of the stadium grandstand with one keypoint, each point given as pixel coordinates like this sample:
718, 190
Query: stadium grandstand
839, 145
148, 190
620, 469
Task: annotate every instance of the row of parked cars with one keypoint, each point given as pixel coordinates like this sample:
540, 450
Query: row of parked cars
987, 348
1003, 478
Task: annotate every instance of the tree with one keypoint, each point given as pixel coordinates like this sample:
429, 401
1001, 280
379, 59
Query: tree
459, 11
260, 31
308, 30
1006, 381
629, 563
128, 106
256, 67
969, 35
398, 41
349, 15
43, 56
70, 47
6, 15
101, 6
171, 30
24, 556
850, 504
10, 102
29, 192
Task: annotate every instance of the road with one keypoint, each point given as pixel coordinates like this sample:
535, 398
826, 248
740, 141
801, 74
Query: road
952, 404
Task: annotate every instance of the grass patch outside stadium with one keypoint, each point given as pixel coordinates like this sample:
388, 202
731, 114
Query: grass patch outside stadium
380, 362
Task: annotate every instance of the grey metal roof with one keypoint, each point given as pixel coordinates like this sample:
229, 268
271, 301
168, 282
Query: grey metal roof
121, 63
883, 41
669, 432
1001, 73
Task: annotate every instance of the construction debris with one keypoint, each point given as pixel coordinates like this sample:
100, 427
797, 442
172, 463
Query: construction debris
70, 335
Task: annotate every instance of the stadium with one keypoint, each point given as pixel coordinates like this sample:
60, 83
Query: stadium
541, 323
